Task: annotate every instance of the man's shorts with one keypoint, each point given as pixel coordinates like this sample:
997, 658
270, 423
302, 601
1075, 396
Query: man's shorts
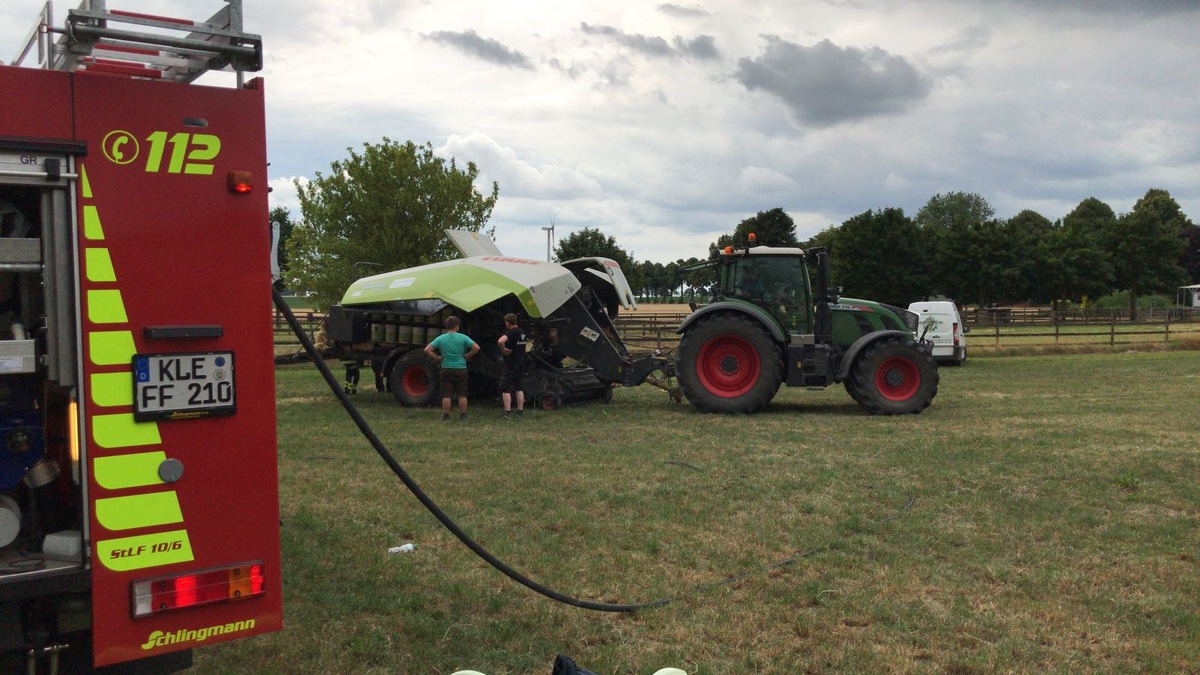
512, 381
454, 383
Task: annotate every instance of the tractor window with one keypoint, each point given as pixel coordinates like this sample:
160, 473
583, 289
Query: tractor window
777, 283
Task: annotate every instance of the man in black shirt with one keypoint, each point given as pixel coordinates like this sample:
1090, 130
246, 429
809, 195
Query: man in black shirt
512, 377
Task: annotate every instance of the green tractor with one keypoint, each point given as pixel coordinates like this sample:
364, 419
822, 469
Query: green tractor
767, 326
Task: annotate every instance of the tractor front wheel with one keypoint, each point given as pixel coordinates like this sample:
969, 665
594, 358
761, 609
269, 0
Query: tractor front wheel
729, 363
893, 376
415, 380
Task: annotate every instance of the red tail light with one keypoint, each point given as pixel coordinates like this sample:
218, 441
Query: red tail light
240, 182
195, 589
955, 332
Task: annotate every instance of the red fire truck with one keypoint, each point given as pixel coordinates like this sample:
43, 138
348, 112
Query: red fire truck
139, 513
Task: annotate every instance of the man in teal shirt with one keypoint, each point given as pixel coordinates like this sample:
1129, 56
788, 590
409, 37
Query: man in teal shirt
453, 349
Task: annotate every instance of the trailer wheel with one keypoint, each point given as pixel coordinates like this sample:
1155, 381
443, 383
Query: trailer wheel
415, 381
551, 402
893, 376
730, 364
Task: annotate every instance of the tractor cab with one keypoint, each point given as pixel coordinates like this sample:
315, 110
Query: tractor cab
773, 279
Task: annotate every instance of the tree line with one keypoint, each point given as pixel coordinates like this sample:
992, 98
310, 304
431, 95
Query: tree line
956, 247
385, 208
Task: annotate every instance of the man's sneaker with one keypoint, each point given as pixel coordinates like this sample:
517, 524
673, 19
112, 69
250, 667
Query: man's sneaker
519, 411
445, 417
507, 415
462, 417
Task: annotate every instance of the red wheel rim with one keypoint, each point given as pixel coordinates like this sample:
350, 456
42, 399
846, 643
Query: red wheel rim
415, 381
897, 378
728, 366
548, 403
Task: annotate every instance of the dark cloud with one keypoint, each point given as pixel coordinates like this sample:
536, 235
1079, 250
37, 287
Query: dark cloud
469, 42
683, 11
703, 47
825, 84
650, 45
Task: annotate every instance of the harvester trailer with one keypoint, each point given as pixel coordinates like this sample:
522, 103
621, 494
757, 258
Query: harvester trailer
566, 311
768, 326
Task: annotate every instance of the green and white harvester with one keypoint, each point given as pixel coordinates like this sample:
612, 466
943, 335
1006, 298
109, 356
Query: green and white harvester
566, 309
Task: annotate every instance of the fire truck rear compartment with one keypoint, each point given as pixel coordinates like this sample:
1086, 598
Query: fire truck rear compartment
41, 514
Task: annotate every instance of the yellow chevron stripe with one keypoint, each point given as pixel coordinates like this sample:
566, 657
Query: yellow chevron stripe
91, 223
110, 390
118, 472
121, 431
134, 511
110, 348
106, 306
99, 265
86, 185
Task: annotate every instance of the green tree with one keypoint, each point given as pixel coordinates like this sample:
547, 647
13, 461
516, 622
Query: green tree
590, 242
1030, 234
654, 279
1078, 263
697, 276
826, 238
770, 228
388, 205
281, 216
997, 272
880, 258
1146, 246
1190, 260
673, 278
953, 233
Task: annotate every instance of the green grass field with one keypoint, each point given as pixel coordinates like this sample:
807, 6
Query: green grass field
1042, 515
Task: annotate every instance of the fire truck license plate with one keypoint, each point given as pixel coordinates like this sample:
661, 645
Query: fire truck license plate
183, 386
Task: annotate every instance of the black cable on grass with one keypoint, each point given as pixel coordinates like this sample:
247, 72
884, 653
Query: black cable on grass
453, 527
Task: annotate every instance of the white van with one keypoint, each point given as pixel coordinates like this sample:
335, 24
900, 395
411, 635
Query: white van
941, 324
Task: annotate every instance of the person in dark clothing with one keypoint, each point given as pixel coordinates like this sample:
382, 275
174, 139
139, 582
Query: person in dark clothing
351, 364
512, 376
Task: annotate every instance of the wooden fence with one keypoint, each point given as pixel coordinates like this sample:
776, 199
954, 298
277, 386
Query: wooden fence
992, 316
647, 331
1063, 334
286, 342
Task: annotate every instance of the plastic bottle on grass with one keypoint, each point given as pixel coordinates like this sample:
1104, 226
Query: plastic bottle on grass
405, 548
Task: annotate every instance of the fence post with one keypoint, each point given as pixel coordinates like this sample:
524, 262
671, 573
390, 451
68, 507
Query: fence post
1167, 330
996, 326
1112, 330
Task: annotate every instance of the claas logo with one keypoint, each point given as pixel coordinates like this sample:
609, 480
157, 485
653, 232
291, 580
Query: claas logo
183, 152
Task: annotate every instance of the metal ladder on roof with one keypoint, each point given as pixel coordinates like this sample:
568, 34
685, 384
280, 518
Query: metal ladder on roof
144, 46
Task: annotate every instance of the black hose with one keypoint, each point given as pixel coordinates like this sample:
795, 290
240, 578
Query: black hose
449, 523
433, 508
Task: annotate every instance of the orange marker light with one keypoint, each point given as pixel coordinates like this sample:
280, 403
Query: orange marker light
752, 238
240, 182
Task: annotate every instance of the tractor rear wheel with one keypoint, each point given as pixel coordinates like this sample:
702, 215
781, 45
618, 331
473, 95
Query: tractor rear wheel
729, 363
893, 376
415, 381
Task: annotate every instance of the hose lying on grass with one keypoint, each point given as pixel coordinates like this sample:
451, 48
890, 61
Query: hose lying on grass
453, 527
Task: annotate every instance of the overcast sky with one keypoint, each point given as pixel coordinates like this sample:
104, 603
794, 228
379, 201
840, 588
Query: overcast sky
664, 124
